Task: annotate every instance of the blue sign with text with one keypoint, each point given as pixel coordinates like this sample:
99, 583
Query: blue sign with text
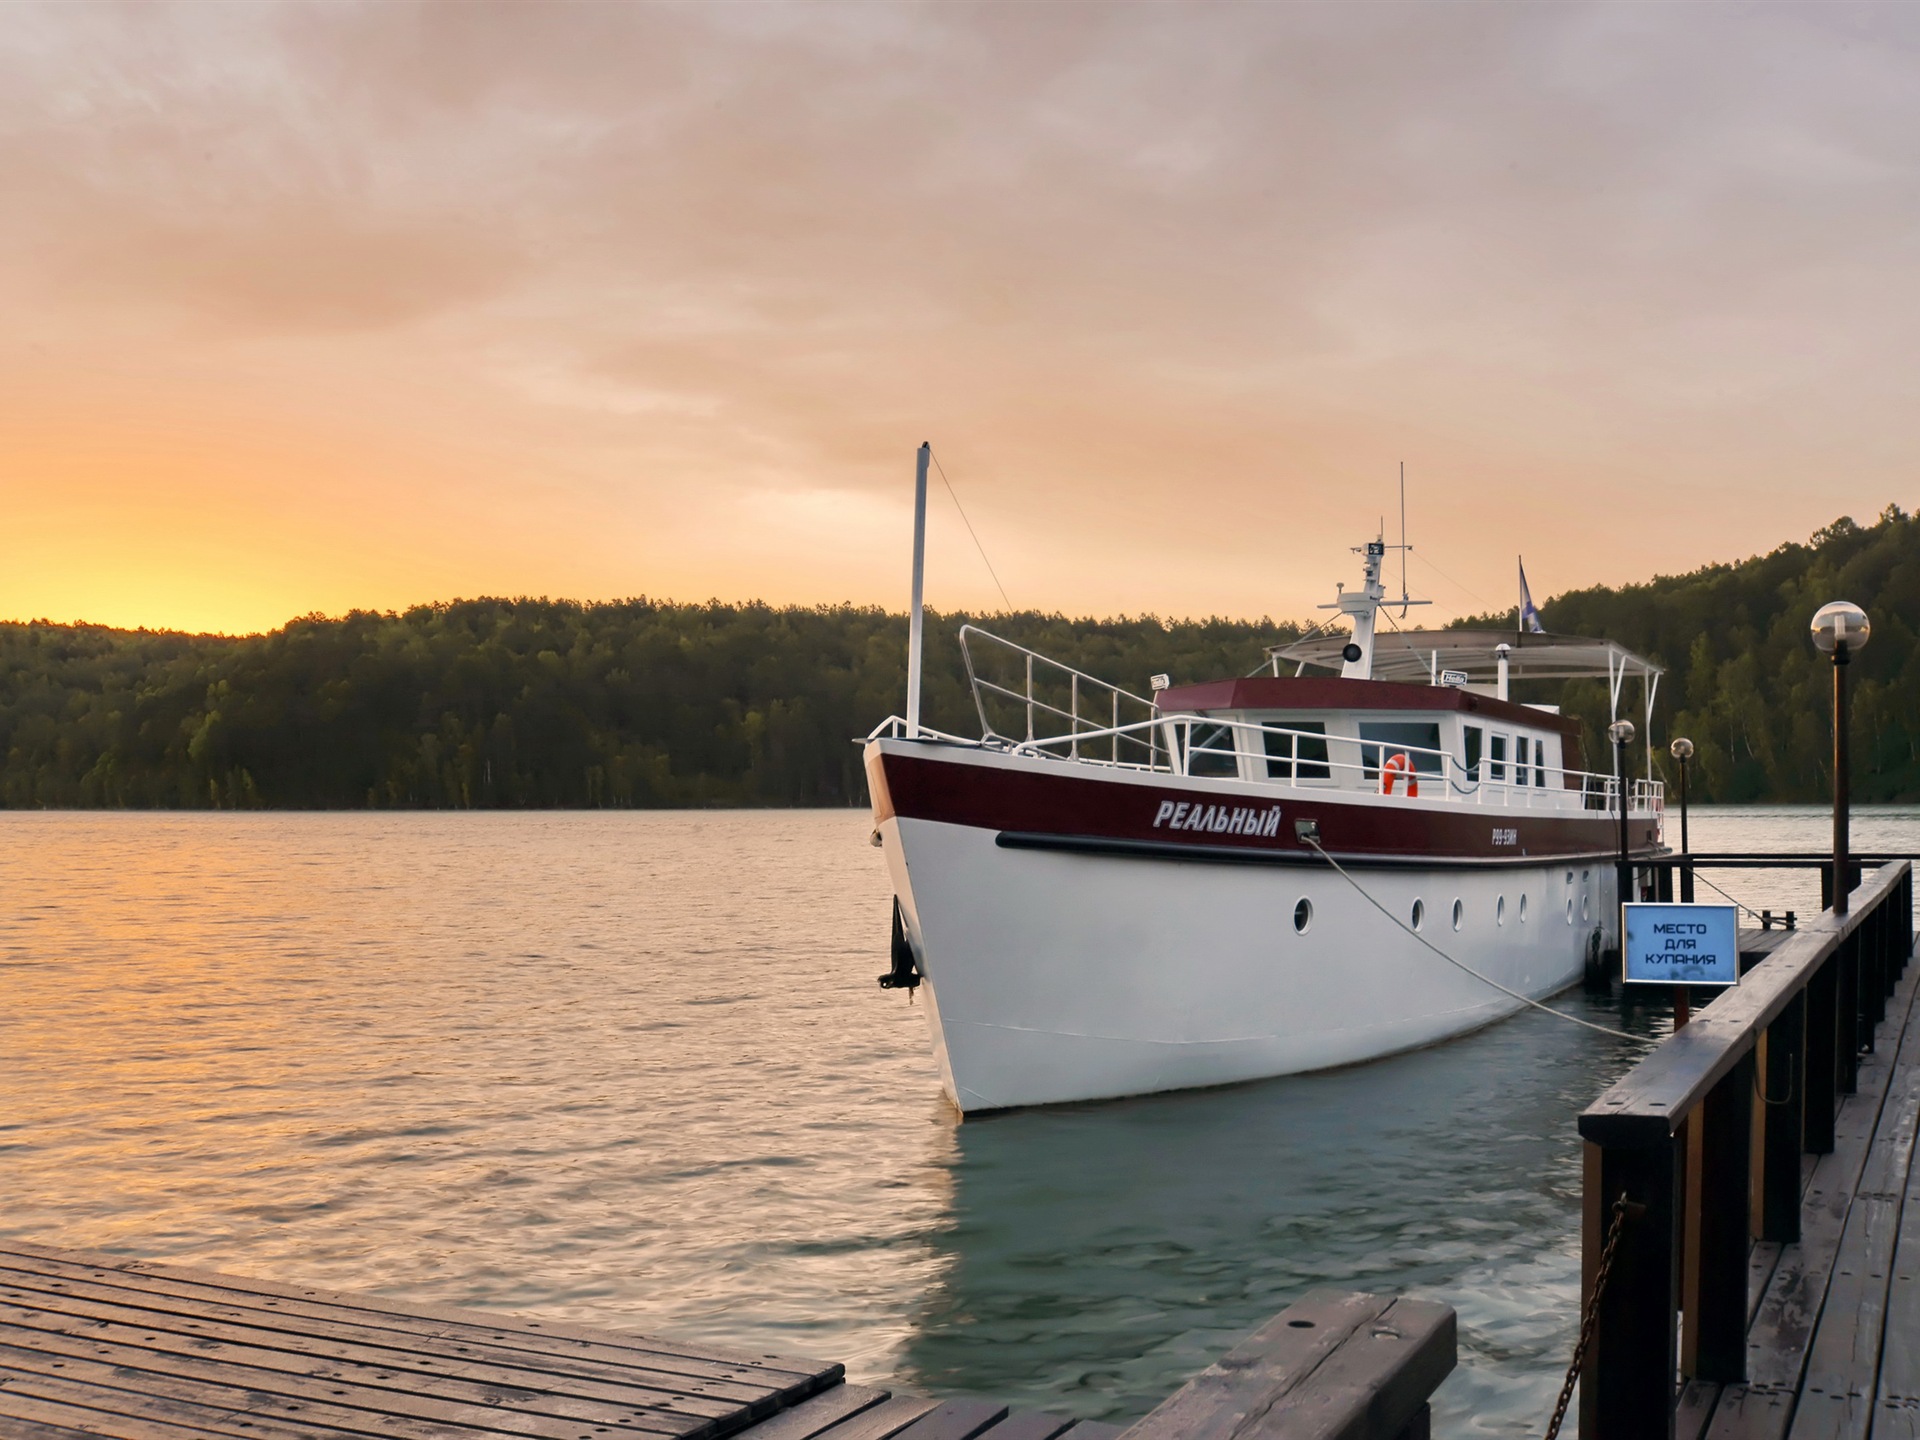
1682, 944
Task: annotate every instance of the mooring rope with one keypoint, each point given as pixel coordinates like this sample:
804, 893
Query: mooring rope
1723, 894
1458, 965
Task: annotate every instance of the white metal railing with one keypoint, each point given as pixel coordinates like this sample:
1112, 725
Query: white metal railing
1330, 764
1067, 714
1050, 694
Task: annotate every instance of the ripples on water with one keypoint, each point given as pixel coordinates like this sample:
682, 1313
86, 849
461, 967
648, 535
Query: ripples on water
633, 1070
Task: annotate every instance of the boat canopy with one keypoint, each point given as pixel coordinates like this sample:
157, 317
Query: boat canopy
1488, 658
1414, 656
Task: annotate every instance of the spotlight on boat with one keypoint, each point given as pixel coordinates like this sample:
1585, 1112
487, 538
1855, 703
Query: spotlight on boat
1841, 624
1160, 682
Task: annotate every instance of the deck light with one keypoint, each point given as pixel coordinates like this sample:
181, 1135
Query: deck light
1159, 683
1620, 732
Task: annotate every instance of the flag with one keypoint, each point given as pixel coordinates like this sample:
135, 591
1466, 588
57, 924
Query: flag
1529, 616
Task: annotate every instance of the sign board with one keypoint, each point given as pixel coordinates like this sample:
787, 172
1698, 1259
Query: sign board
1455, 678
1682, 944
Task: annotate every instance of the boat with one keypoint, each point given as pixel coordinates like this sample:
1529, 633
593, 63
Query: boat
1364, 848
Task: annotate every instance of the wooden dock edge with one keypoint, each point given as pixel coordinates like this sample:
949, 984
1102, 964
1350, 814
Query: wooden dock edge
1334, 1366
99, 1347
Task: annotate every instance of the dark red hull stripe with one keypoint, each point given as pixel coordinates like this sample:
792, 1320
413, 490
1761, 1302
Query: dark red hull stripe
1232, 855
1082, 807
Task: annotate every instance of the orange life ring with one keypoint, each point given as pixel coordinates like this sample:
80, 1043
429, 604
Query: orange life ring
1396, 766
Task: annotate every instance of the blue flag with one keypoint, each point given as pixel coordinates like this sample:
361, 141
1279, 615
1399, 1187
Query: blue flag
1529, 616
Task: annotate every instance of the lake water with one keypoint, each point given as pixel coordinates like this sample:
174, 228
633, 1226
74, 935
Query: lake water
633, 1070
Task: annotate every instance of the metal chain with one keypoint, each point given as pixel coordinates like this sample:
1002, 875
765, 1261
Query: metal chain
1620, 1209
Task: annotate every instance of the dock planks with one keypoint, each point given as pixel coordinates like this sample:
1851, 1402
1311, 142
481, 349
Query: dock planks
99, 1346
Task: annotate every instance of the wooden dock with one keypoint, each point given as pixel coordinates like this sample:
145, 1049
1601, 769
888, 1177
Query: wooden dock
98, 1346
1833, 1334
1752, 1209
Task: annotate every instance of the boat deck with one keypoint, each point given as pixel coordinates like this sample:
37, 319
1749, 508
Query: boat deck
93, 1345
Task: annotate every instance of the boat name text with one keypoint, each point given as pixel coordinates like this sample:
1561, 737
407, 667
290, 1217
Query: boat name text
1505, 835
1219, 819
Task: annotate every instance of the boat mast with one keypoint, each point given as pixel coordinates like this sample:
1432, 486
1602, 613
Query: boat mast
1404, 547
1359, 606
914, 645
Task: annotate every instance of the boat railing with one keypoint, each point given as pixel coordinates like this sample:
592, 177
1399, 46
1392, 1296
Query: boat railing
1025, 698
1030, 704
894, 727
1217, 754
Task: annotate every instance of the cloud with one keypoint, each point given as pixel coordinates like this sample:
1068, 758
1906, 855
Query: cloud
1152, 269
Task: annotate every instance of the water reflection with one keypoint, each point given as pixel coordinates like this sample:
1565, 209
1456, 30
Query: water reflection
1098, 1255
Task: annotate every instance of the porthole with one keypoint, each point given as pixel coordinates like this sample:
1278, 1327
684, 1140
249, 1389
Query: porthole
1523, 907
1419, 913
1569, 910
1585, 875
1569, 877
1500, 911
1586, 906
1459, 914
1302, 916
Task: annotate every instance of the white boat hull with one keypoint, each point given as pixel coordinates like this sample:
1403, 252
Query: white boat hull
1056, 976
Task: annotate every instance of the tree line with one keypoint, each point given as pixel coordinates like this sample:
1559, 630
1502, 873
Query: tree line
1744, 681
516, 703
498, 703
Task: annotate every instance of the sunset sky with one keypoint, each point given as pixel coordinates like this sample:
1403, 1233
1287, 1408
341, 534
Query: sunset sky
359, 305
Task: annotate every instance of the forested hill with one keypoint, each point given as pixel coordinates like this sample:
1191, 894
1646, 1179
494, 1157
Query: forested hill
1745, 683
489, 703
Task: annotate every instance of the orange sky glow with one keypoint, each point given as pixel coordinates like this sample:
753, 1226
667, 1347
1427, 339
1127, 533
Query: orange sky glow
320, 307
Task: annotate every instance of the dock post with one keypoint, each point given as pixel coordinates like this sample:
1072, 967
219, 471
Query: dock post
1889, 960
1846, 1035
1783, 1125
1718, 1197
1873, 976
1636, 1338
1820, 1073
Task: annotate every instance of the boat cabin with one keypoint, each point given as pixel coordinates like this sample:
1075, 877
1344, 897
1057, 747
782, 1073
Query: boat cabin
1347, 734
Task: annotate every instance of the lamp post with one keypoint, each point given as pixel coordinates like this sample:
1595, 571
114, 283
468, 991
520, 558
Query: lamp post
1620, 732
1682, 750
1839, 630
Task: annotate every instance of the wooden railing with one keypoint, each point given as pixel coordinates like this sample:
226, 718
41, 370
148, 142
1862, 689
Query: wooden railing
1673, 1155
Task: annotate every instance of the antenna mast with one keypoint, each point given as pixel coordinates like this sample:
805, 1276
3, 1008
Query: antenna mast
1404, 599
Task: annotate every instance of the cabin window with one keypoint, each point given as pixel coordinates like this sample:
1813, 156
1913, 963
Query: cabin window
1298, 757
1540, 763
1474, 743
1497, 759
1419, 739
1520, 761
1211, 751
